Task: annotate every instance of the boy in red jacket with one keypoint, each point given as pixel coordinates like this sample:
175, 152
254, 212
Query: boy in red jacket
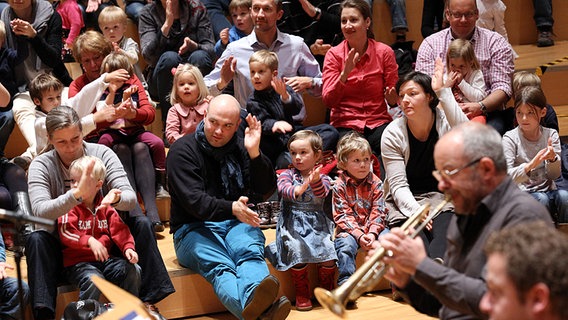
91, 232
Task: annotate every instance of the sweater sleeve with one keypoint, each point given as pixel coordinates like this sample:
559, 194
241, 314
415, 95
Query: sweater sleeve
119, 231
173, 125
69, 234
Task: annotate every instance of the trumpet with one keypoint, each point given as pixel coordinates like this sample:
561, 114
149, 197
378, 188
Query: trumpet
372, 271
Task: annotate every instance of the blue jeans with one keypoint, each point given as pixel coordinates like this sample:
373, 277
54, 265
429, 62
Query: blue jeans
116, 270
217, 10
398, 14
543, 13
556, 201
161, 80
6, 127
133, 10
9, 299
229, 254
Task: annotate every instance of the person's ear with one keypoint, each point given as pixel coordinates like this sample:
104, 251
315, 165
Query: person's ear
537, 299
37, 102
368, 22
99, 184
274, 73
487, 167
542, 113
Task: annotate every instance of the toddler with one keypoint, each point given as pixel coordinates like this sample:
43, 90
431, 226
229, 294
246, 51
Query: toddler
189, 99
71, 25
358, 203
304, 231
242, 25
89, 232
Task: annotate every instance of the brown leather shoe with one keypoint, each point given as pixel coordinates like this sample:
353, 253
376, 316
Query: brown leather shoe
262, 298
278, 311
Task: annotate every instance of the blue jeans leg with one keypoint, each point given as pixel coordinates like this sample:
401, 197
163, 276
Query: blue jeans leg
346, 248
543, 13
80, 275
202, 60
161, 81
133, 10
560, 200
6, 127
398, 14
9, 299
217, 10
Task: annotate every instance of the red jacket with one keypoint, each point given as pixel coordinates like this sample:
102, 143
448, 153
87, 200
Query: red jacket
79, 224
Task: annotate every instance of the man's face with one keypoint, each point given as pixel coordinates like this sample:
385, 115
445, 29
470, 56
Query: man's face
265, 14
220, 124
462, 15
501, 301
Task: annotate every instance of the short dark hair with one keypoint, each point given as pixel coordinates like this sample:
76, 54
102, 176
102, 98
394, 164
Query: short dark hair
424, 81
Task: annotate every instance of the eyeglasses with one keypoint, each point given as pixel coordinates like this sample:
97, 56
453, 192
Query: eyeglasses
447, 174
459, 15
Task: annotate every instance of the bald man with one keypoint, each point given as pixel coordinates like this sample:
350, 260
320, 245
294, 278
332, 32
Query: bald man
213, 176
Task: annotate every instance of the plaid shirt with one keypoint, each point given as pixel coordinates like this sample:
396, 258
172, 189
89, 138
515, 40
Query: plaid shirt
359, 208
494, 53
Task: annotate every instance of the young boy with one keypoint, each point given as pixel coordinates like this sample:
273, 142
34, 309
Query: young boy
359, 208
242, 25
113, 22
89, 232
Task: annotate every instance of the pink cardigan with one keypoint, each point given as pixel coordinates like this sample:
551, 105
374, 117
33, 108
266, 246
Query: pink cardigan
183, 120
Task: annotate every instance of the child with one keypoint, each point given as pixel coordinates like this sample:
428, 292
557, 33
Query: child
304, 231
522, 79
71, 25
133, 112
358, 204
242, 25
189, 99
532, 153
113, 22
90, 230
492, 17
274, 104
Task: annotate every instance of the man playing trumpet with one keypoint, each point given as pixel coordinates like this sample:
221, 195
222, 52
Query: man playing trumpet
471, 169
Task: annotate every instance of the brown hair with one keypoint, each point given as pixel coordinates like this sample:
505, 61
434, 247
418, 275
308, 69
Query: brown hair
91, 41
43, 82
111, 14
311, 136
363, 7
461, 48
350, 143
115, 61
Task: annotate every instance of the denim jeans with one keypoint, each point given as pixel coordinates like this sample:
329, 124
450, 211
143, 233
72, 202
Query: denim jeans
543, 13
398, 14
556, 201
217, 11
116, 270
9, 298
229, 254
133, 10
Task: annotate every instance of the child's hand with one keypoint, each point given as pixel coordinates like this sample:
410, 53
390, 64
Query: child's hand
208, 98
114, 86
131, 256
544, 154
315, 174
113, 196
128, 92
224, 36
366, 241
119, 75
3, 267
454, 78
281, 127
299, 190
280, 88
100, 252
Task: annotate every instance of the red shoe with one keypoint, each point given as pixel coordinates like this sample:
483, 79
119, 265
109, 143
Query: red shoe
303, 294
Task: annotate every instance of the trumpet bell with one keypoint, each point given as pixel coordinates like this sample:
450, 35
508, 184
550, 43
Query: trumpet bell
330, 301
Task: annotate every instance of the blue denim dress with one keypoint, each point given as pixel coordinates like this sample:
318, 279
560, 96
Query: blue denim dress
303, 233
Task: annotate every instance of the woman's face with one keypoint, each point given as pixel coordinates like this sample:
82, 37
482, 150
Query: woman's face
68, 143
354, 26
19, 5
413, 99
91, 62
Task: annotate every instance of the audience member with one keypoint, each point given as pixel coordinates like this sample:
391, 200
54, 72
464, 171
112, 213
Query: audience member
304, 232
242, 25
9, 298
432, 17
71, 23
39, 25
174, 32
91, 11
544, 22
359, 209
133, 8
533, 153
526, 273
494, 53
90, 230
52, 195
217, 11
358, 75
472, 170
189, 99
213, 175
522, 79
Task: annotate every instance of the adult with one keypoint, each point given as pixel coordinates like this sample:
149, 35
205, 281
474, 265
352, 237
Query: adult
526, 274
494, 53
218, 11
356, 75
213, 175
38, 23
174, 32
407, 150
472, 170
544, 22
51, 196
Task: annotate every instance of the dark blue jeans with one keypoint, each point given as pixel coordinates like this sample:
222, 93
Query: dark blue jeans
217, 11
543, 13
9, 299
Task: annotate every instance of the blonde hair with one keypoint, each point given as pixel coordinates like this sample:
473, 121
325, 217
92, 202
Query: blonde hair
2, 33
316, 143
460, 48
91, 41
112, 14
193, 71
80, 165
115, 61
350, 143
265, 57
523, 79
235, 4
43, 82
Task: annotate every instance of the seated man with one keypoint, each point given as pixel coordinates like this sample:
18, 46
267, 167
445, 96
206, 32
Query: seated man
213, 174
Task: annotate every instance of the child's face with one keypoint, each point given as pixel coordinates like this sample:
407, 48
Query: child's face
528, 118
75, 176
242, 19
187, 89
303, 156
261, 75
113, 30
358, 164
49, 99
459, 65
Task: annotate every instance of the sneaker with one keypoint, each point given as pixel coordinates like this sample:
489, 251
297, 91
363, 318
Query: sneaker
544, 39
262, 298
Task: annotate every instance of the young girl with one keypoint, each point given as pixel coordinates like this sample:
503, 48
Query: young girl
532, 153
189, 99
304, 231
71, 25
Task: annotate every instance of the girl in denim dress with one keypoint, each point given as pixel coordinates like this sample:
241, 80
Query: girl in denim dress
304, 232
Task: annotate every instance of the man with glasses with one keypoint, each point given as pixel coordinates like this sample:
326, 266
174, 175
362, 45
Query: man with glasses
494, 53
472, 170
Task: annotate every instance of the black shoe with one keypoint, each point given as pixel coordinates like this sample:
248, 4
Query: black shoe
544, 39
278, 311
262, 298
22, 162
158, 226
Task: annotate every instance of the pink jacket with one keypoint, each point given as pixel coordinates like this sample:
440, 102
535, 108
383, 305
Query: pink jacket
182, 120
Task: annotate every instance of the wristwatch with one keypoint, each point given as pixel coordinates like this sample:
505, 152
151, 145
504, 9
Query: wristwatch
318, 14
483, 109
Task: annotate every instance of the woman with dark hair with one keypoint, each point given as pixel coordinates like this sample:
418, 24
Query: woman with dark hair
357, 76
408, 151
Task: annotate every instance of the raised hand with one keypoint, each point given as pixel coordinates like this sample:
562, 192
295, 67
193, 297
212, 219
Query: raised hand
93, 5
280, 87
281, 127
227, 72
87, 184
350, 62
391, 95
320, 48
438, 76
113, 196
252, 136
224, 36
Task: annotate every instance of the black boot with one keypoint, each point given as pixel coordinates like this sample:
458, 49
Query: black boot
21, 205
161, 191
